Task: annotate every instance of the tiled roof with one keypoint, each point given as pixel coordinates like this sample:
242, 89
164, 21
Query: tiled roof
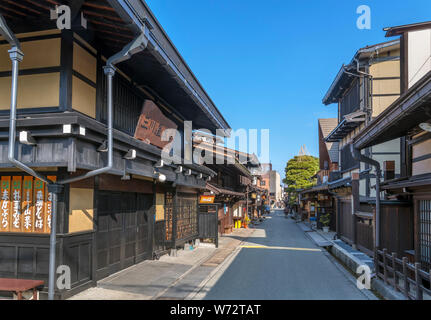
327, 126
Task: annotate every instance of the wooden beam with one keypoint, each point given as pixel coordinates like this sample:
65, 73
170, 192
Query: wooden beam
91, 13
39, 5
13, 10
7, 15
22, 6
113, 26
116, 41
53, 2
99, 6
113, 33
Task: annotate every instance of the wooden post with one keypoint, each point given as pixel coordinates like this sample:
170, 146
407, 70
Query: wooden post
418, 280
174, 220
355, 206
376, 261
406, 278
385, 269
394, 256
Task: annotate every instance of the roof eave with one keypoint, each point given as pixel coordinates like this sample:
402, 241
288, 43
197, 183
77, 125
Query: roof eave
128, 13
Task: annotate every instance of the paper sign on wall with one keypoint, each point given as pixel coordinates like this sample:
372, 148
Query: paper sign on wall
27, 205
5, 204
39, 206
48, 206
16, 216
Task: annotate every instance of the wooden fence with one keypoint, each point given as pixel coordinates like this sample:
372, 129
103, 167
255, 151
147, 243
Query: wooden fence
365, 235
404, 277
396, 227
346, 222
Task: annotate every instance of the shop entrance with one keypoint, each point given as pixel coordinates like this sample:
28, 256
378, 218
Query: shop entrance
208, 222
123, 235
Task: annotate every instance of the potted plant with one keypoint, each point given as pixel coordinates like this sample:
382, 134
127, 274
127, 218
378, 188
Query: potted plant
325, 220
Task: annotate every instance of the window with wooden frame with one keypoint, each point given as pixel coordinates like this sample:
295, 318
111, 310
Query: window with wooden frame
424, 234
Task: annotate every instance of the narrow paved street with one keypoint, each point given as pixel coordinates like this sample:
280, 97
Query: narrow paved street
280, 262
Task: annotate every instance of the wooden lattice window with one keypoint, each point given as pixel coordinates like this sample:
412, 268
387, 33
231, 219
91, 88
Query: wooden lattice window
425, 233
169, 211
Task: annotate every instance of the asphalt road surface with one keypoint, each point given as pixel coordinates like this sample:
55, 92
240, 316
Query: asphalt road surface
280, 262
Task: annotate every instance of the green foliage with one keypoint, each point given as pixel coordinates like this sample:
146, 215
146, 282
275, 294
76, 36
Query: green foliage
325, 219
299, 173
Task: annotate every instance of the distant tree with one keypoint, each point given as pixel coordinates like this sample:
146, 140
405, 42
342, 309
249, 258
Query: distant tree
299, 173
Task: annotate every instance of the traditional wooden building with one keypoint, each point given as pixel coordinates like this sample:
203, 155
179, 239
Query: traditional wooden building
232, 186
404, 222
92, 102
363, 89
317, 200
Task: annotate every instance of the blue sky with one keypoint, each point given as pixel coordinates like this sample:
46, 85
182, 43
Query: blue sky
267, 64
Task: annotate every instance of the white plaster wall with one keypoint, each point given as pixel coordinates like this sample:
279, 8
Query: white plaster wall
419, 55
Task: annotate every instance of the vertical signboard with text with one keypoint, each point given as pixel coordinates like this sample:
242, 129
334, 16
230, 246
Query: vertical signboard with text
26, 205
5, 204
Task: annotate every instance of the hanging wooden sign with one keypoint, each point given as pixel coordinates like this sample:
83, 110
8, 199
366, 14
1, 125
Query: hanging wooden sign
27, 205
206, 199
151, 125
39, 212
16, 216
5, 204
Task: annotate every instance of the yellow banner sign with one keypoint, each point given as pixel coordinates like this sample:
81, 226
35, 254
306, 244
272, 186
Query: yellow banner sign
206, 199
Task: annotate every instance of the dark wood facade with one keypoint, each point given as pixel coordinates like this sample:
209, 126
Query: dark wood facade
115, 220
406, 214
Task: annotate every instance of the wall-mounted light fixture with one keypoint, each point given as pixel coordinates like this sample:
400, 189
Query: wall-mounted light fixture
179, 169
26, 138
130, 155
67, 128
103, 147
188, 172
425, 126
159, 164
82, 131
160, 176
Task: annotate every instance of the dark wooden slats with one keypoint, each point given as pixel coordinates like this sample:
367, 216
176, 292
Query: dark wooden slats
98, 5
109, 25
116, 34
19, 5
425, 232
11, 10
101, 15
38, 4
